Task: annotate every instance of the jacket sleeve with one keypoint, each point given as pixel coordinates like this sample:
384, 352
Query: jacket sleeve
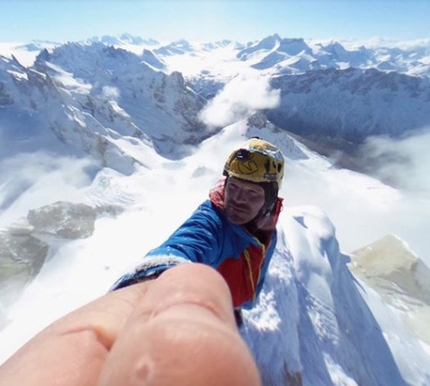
198, 239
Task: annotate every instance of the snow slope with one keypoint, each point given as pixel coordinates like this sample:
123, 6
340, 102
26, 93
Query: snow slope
313, 324
324, 317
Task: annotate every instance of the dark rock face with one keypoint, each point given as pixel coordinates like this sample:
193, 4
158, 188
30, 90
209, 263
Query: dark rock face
21, 258
25, 246
63, 220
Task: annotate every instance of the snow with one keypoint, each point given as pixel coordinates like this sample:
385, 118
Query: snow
65, 78
312, 317
24, 56
318, 319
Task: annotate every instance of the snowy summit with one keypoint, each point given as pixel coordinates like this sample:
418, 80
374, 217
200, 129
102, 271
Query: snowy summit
109, 145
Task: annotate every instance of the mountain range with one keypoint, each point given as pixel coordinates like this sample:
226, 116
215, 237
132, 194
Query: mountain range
330, 95
100, 138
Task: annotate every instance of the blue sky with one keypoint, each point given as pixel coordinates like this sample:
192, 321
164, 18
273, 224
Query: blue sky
210, 20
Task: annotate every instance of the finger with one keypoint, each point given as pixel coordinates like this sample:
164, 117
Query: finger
182, 333
71, 351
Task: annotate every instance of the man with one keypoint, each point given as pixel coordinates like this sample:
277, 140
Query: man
234, 231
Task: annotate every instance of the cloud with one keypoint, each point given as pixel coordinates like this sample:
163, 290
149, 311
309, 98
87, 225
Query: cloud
403, 163
241, 97
32, 180
111, 93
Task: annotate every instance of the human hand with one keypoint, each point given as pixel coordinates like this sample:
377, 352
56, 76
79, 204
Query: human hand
176, 330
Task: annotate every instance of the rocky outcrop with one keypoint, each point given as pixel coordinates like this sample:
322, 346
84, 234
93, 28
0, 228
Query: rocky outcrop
63, 220
24, 247
399, 276
21, 257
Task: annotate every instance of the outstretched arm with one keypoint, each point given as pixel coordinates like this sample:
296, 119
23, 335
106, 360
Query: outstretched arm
197, 240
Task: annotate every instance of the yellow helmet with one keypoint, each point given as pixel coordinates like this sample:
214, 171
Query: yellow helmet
256, 161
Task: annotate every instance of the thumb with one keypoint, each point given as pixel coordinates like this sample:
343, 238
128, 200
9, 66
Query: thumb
182, 333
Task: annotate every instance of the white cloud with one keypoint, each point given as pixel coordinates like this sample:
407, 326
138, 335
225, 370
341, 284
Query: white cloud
110, 92
402, 162
28, 181
241, 97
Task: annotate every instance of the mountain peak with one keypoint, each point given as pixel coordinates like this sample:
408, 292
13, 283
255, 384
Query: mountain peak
123, 39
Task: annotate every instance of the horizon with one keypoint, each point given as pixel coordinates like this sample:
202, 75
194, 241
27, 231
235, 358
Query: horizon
71, 20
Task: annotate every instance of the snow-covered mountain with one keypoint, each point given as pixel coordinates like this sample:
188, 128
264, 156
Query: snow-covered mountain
277, 55
315, 324
296, 56
90, 97
352, 104
108, 145
327, 89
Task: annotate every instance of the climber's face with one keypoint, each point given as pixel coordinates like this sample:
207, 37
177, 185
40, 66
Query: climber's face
243, 200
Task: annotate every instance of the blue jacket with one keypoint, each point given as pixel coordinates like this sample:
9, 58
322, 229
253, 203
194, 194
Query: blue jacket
208, 237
